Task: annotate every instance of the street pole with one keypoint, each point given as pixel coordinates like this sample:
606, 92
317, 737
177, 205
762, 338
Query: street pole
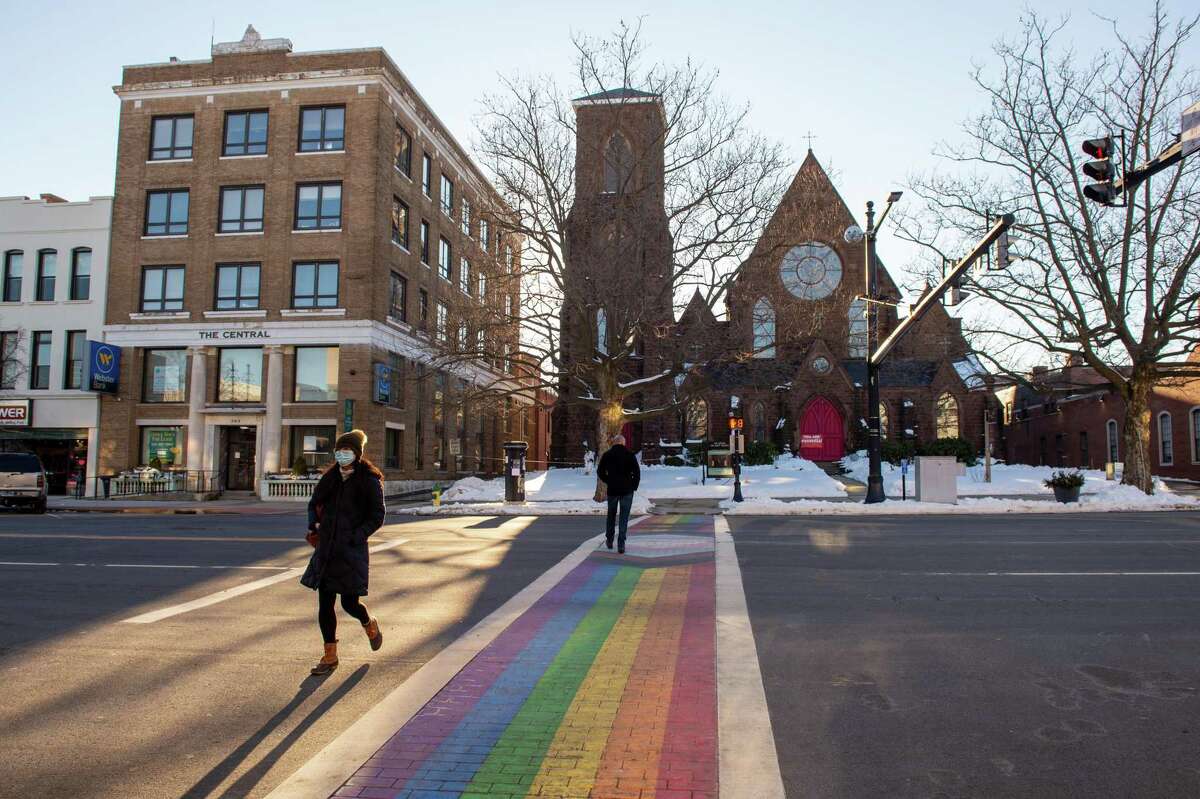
987, 445
875, 468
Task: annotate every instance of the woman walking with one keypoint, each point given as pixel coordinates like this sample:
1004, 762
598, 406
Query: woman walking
345, 509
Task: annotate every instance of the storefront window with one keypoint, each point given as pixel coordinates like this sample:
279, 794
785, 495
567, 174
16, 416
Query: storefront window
164, 377
162, 447
316, 374
313, 444
240, 375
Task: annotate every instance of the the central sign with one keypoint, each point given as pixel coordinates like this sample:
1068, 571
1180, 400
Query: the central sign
232, 335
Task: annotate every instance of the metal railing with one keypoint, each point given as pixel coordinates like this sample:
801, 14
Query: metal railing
144, 484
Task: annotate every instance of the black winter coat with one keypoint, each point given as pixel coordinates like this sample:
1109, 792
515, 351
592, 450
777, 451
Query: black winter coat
351, 510
619, 470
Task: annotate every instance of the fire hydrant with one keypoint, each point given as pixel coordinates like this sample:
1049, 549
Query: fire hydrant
437, 496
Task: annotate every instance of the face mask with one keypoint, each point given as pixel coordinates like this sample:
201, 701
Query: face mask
344, 457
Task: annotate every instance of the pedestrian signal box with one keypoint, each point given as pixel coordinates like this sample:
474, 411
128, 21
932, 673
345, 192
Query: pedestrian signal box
736, 423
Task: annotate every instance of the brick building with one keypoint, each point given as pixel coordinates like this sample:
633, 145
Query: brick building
1072, 417
295, 238
793, 343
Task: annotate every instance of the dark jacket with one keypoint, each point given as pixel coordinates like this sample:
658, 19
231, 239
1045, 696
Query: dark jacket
619, 470
351, 510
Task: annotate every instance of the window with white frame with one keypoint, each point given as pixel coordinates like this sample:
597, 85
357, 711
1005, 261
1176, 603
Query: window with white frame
466, 217
464, 275
764, 329
442, 323
447, 196
947, 416
444, 258
1166, 443
1114, 449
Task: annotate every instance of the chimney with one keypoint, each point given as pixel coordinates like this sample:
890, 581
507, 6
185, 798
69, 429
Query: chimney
1073, 359
174, 59
51, 198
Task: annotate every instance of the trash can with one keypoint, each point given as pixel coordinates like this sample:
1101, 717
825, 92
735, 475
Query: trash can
514, 470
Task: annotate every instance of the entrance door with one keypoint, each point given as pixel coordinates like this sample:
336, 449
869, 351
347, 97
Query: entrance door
239, 458
821, 432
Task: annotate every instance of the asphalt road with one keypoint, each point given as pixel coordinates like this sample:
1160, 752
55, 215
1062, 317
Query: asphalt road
897, 665
217, 701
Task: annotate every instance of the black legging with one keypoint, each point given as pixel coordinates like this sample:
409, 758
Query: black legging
328, 619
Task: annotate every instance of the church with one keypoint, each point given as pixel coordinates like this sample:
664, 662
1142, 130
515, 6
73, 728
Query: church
792, 343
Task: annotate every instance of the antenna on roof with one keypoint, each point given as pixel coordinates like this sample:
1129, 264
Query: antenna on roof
212, 37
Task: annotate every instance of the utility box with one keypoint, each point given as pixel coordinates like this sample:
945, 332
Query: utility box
514, 470
937, 478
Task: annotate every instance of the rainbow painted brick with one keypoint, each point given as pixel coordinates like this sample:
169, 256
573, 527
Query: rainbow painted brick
605, 687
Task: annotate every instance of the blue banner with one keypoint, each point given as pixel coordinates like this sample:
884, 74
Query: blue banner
104, 367
383, 384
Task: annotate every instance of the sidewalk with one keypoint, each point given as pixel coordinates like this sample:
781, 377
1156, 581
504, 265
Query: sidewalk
167, 506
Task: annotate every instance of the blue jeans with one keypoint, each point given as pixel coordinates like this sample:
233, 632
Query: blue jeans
625, 501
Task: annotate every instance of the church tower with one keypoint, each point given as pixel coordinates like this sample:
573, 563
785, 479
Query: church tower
617, 253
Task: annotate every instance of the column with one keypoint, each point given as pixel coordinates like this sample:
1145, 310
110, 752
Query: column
197, 387
273, 423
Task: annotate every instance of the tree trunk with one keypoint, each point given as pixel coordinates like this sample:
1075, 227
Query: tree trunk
611, 420
1135, 437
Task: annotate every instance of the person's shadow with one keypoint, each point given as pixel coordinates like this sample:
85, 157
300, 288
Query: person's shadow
207, 784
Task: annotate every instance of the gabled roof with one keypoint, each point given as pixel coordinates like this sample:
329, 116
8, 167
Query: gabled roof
894, 372
697, 312
622, 93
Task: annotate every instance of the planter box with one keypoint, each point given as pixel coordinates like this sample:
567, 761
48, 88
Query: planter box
1066, 495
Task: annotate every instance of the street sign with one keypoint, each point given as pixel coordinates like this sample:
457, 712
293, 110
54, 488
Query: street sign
104, 367
383, 384
347, 415
1190, 137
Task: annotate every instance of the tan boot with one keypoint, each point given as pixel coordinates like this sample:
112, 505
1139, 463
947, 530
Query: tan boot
374, 634
328, 662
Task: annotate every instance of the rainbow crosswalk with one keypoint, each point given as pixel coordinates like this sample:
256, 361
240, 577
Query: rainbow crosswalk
605, 687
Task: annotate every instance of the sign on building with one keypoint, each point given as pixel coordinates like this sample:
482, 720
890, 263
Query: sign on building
383, 384
347, 415
104, 367
14, 413
161, 443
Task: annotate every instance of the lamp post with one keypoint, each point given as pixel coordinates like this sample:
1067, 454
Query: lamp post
875, 491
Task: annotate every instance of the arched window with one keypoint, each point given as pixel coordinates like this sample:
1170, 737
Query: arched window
1194, 416
764, 329
857, 347
1113, 448
602, 331
696, 428
947, 416
883, 421
759, 417
618, 164
1166, 443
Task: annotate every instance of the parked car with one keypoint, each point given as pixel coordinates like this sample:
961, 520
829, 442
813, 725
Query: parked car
22, 481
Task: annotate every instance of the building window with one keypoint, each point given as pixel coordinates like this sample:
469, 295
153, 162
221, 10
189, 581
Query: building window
759, 420
13, 262
442, 323
241, 209
423, 307
1085, 459
393, 448
9, 341
237, 286
399, 222
696, 424
466, 217
245, 133
444, 256
164, 375
399, 298
318, 206
316, 374
1166, 441
464, 275
947, 416
46, 270
601, 327
463, 335
764, 329
171, 137
1113, 439
482, 290
618, 164
426, 174
1060, 450
81, 273
315, 284
162, 288
424, 242
396, 395
447, 196
402, 150
240, 374
857, 347
485, 234
167, 213
161, 447
322, 128
313, 444
1194, 416
39, 364
73, 374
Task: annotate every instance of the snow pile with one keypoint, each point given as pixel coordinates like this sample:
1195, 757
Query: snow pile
1007, 479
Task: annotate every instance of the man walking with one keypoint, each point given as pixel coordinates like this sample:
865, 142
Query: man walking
620, 472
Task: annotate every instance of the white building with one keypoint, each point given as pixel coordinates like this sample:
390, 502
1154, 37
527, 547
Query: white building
52, 296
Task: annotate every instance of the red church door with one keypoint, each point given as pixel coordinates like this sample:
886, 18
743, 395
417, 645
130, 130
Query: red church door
821, 436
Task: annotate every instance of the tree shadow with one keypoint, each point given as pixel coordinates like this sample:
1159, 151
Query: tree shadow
210, 782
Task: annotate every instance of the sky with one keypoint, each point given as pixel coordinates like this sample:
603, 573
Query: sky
877, 84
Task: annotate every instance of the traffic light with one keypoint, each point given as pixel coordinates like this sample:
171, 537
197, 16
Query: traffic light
1100, 170
1002, 258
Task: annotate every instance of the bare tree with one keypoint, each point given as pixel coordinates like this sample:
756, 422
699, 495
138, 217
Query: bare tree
720, 184
1117, 287
12, 366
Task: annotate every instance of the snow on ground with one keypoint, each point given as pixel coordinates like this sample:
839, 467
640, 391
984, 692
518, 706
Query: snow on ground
789, 477
1007, 480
